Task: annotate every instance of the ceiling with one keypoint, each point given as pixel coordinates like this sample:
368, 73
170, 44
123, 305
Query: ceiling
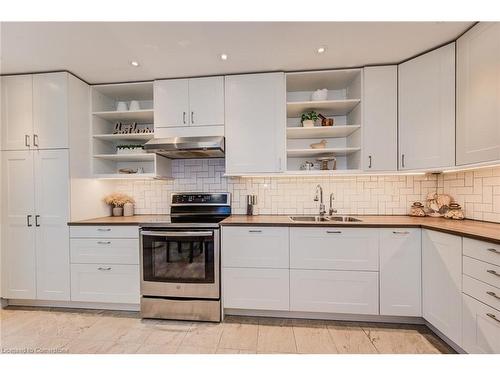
101, 52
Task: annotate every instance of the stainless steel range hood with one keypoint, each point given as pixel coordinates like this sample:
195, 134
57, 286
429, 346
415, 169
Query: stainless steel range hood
187, 147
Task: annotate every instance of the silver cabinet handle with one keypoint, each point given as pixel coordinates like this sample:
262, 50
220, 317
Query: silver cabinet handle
35, 140
104, 268
493, 272
402, 160
369, 161
492, 316
493, 294
103, 229
403, 232
37, 224
192, 117
27, 140
104, 242
333, 231
491, 250
254, 231
184, 117
28, 220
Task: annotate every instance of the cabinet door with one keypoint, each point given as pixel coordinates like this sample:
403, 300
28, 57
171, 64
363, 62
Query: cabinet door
481, 328
344, 292
255, 123
171, 103
478, 94
427, 110
17, 112
206, 101
380, 118
52, 232
256, 288
442, 282
400, 272
50, 110
18, 236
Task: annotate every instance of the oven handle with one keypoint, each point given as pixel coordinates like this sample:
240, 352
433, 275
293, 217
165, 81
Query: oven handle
177, 234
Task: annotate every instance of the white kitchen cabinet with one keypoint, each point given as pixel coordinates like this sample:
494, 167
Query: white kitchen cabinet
50, 110
51, 218
400, 272
17, 112
427, 110
481, 327
18, 235
442, 282
107, 250
263, 247
334, 248
380, 118
256, 288
255, 128
104, 231
348, 292
189, 102
478, 94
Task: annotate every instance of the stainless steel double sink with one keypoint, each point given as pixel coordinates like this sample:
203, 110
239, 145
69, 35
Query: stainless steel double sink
318, 219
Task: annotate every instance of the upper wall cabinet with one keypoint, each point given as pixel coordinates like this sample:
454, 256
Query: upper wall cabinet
180, 103
35, 111
380, 118
478, 94
427, 110
255, 123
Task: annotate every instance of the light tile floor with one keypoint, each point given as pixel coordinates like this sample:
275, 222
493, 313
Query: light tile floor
46, 330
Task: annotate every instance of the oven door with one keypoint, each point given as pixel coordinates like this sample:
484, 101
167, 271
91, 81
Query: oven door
180, 263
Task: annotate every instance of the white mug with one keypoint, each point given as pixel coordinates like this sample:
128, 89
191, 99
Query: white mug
134, 105
121, 106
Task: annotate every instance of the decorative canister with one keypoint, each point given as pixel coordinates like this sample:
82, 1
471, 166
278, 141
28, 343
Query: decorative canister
128, 209
455, 212
117, 211
417, 209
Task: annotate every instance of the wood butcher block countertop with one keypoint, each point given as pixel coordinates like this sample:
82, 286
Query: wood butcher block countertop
469, 228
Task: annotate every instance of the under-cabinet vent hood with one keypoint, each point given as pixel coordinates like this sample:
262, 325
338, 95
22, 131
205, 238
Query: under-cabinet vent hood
187, 147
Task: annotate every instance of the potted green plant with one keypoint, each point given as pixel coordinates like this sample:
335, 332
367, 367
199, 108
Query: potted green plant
308, 119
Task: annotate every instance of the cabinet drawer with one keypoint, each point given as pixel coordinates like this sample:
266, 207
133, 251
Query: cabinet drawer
104, 231
481, 250
262, 247
481, 327
113, 251
105, 283
347, 292
485, 272
334, 248
483, 292
254, 288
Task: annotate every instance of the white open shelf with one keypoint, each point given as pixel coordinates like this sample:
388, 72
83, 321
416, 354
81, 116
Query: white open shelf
126, 157
143, 116
339, 107
320, 152
335, 131
125, 137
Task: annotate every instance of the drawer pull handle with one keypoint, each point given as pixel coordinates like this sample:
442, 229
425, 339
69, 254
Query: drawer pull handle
333, 231
396, 232
104, 242
254, 231
493, 272
493, 251
104, 268
103, 229
493, 294
492, 316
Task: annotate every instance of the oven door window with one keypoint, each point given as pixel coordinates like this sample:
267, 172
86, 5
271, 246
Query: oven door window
180, 257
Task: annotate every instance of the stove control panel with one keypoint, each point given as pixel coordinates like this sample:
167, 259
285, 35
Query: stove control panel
200, 198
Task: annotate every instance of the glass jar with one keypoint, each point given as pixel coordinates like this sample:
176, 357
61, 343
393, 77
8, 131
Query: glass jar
455, 212
417, 209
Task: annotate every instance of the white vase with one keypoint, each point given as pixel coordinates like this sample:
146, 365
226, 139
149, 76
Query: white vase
319, 95
121, 106
117, 211
128, 209
308, 123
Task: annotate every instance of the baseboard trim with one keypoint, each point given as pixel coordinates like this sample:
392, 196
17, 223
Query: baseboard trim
75, 305
455, 347
3, 303
326, 316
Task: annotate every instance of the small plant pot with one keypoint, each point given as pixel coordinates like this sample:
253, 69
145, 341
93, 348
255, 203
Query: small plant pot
128, 209
117, 211
308, 123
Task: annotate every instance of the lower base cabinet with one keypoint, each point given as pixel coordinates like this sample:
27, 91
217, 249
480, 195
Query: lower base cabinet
256, 288
481, 327
106, 283
347, 292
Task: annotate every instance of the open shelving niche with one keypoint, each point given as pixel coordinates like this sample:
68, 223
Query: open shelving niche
105, 160
343, 103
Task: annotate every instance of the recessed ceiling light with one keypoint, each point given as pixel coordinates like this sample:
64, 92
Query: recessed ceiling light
321, 49
135, 63
223, 56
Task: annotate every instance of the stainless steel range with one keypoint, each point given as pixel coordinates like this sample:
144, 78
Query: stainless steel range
180, 260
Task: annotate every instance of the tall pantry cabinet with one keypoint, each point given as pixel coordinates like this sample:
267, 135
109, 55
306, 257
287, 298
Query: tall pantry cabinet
37, 112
